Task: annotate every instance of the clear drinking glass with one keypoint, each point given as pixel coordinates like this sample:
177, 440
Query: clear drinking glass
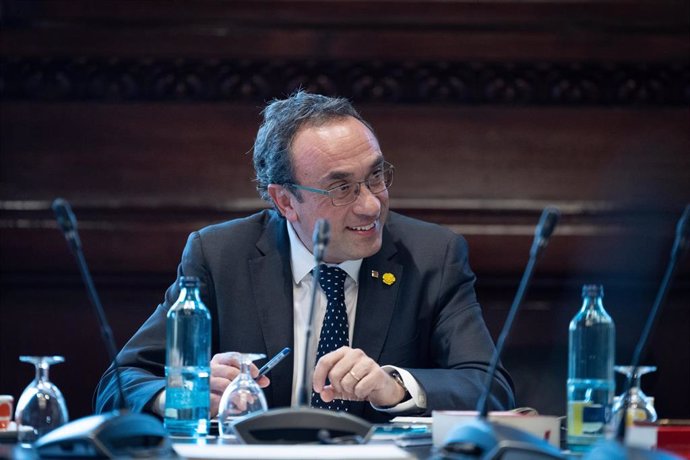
242, 397
641, 406
41, 406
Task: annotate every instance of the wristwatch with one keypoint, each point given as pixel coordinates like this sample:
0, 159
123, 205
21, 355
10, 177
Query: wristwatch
398, 379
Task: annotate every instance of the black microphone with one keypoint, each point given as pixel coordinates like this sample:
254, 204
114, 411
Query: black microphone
545, 227
482, 438
320, 239
115, 434
617, 449
682, 233
301, 423
68, 225
67, 222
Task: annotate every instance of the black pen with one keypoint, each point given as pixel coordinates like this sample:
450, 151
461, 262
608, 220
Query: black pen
273, 362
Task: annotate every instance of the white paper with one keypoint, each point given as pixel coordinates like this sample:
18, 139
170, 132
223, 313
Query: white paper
542, 426
288, 452
413, 420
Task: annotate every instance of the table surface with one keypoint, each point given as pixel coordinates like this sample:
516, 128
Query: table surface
11, 450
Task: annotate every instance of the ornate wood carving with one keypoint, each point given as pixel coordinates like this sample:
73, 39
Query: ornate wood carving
519, 83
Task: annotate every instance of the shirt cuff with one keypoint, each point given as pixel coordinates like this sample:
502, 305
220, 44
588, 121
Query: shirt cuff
158, 404
417, 401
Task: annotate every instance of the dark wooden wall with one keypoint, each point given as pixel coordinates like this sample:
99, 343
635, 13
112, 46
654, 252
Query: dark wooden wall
143, 114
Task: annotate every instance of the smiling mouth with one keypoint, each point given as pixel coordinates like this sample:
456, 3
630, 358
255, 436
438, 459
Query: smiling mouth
364, 228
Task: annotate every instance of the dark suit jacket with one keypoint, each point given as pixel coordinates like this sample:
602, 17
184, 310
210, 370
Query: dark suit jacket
428, 322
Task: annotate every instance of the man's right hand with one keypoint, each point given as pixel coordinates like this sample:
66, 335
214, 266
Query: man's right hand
224, 368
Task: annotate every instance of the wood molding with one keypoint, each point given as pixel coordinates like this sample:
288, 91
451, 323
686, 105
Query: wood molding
442, 82
595, 239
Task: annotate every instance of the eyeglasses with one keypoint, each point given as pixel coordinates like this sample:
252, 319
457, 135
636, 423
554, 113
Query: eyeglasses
341, 195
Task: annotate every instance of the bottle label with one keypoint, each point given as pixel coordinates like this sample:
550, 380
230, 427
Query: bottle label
587, 419
187, 392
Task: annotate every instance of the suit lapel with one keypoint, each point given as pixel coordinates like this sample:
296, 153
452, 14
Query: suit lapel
376, 300
271, 279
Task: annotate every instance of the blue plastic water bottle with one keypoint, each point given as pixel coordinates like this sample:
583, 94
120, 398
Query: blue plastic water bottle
591, 385
187, 369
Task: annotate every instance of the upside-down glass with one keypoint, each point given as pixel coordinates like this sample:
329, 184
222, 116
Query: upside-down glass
41, 407
641, 406
242, 397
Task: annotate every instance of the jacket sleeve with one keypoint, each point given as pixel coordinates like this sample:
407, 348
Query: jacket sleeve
461, 346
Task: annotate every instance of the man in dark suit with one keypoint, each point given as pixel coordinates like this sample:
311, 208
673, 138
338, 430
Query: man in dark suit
418, 340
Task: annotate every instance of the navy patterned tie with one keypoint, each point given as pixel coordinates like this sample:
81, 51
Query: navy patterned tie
334, 330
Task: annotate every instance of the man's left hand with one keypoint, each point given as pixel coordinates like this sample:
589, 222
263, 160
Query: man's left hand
356, 377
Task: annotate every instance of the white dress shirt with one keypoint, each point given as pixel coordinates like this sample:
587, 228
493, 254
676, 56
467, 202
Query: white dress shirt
302, 264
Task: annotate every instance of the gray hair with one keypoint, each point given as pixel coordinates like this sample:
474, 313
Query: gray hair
283, 118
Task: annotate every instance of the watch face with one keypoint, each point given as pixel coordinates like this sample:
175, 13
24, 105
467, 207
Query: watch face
396, 376
398, 379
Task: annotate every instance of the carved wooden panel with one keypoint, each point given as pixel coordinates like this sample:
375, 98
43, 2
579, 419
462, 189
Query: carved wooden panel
575, 84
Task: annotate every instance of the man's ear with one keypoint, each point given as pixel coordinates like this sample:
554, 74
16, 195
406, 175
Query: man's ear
282, 198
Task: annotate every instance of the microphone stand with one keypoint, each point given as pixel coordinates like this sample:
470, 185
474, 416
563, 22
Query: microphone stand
115, 434
320, 240
68, 224
545, 228
482, 438
302, 424
617, 449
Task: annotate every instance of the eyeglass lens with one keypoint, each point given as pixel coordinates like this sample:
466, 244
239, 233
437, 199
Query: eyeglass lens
377, 183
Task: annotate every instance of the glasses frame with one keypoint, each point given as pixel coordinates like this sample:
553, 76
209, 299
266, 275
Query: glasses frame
357, 186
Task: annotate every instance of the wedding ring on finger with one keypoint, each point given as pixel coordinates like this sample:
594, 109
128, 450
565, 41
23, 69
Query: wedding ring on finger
354, 376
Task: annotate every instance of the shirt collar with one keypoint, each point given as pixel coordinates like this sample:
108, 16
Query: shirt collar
302, 260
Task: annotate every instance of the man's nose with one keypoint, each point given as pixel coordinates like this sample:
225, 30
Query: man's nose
367, 203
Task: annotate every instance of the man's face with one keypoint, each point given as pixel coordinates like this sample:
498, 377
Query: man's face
326, 156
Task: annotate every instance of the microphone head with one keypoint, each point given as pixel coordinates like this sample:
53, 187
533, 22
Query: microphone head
66, 221
683, 230
322, 232
547, 222
320, 238
545, 227
64, 215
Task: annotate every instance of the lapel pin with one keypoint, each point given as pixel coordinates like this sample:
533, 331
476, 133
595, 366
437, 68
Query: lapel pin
374, 274
388, 279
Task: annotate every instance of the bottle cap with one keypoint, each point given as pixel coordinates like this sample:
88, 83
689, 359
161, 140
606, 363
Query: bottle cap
592, 290
189, 281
